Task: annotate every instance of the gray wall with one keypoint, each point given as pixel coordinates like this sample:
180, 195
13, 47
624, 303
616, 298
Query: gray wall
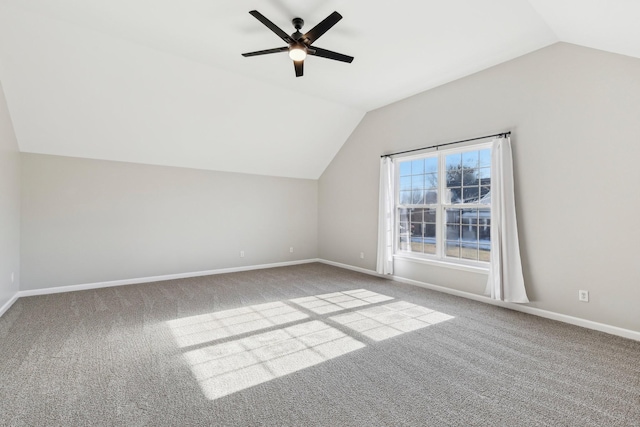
574, 113
9, 206
86, 221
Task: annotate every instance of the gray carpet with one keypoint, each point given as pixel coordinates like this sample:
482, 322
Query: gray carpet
304, 346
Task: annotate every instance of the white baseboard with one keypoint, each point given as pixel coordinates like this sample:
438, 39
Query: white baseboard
8, 304
353, 268
613, 330
97, 285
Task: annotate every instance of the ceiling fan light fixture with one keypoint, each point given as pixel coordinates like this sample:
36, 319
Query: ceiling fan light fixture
298, 52
300, 45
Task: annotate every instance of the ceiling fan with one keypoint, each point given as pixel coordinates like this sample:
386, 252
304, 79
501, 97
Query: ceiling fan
298, 44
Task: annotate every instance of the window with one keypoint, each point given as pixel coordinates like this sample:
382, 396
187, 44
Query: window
443, 202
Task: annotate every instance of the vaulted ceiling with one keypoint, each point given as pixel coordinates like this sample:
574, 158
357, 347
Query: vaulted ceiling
163, 82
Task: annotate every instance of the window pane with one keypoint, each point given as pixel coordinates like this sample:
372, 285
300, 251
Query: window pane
485, 157
416, 245
403, 215
470, 194
430, 215
431, 196
429, 248
405, 183
417, 182
431, 181
453, 161
417, 167
469, 217
429, 238
454, 176
453, 232
453, 216
485, 195
469, 177
430, 232
403, 229
469, 234
484, 176
484, 234
454, 195
453, 249
405, 168
469, 251
416, 230
416, 215
484, 252
420, 236
431, 165
417, 197
405, 197
470, 159
484, 226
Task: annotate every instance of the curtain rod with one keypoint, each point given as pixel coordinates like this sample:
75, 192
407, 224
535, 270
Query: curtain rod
448, 143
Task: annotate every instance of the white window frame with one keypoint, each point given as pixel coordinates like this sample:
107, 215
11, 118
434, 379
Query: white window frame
439, 258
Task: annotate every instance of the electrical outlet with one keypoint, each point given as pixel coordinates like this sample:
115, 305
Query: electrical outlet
241, 254
361, 255
291, 249
583, 296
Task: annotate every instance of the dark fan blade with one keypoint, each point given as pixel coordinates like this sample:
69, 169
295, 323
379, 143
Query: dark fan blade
266, 51
324, 53
315, 33
273, 27
298, 65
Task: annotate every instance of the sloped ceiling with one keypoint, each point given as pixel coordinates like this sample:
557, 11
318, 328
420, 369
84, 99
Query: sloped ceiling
163, 82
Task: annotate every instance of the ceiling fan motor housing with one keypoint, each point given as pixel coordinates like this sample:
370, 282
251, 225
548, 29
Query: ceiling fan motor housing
297, 23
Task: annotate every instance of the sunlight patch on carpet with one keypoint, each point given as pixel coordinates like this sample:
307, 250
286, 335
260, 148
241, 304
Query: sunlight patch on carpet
338, 301
208, 327
390, 320
233, 366
305, 336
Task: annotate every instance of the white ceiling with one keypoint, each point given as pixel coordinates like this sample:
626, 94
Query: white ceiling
163, 82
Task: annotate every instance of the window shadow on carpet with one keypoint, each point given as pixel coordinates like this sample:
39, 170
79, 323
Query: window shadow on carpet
263, 342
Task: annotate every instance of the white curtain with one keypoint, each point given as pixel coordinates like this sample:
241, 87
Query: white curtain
386, 217
505, 273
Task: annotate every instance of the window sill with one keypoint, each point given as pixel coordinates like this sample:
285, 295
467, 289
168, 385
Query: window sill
444, 264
